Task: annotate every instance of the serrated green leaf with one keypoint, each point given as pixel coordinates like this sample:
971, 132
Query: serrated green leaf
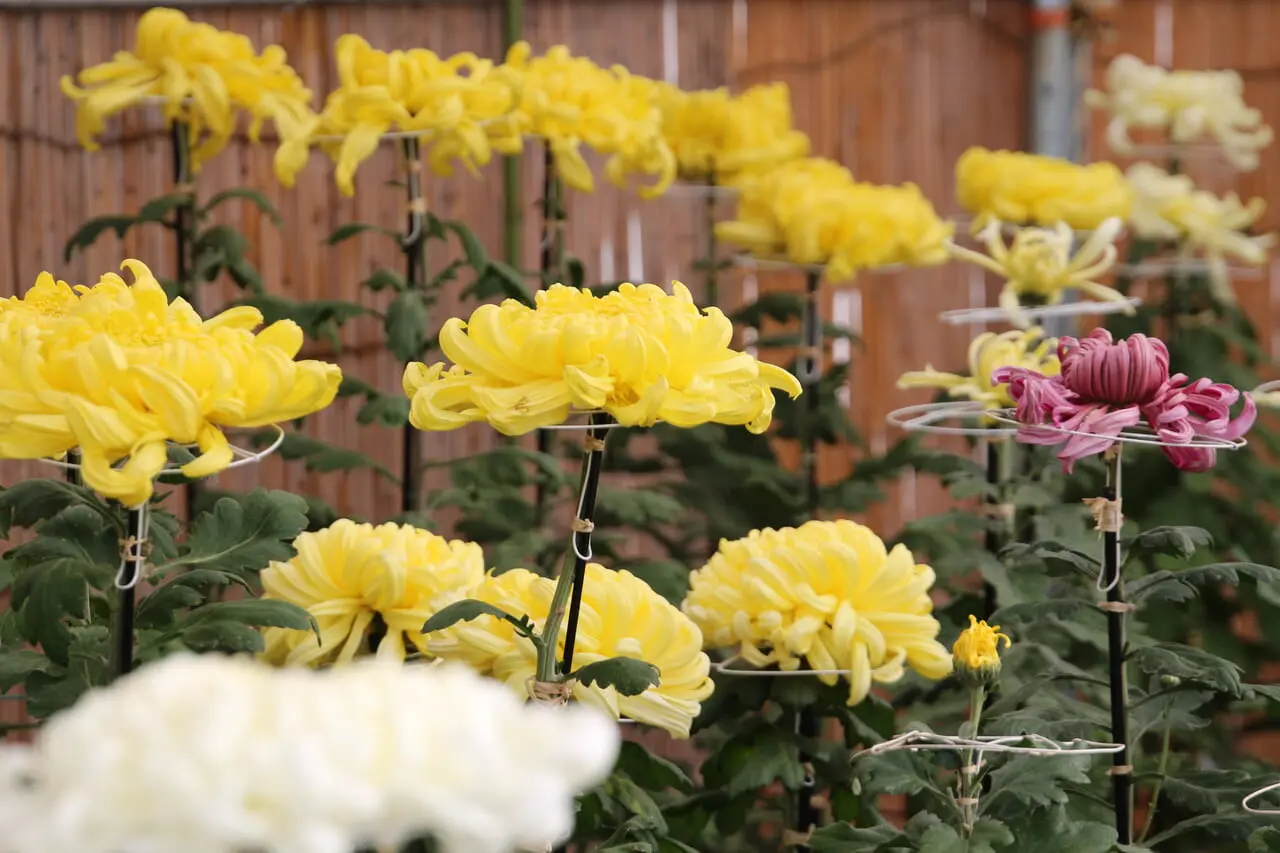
390, 410
87, 234
46, 595
246, 194
78, 532
406, 325
470, 608
987, 836
160, 207
639, 508
1231, 825
1189, 664
215, 248
750, 762
650, 771
16, 665
1181, 542
384, 279
575, 272
258, 612
1204, 791
244, 533
844, 838
31, 501
1265, 840
51, 692
779, 306
1185, 584
1033, 782
629, 676
472, 248
229, 637
351, 229
322, 457
158, 609
245, 275
499, 279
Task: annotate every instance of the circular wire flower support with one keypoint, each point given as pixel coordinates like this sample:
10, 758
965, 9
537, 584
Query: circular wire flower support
964, 226
691, 189
1023, 744
729, 667
1140, 434
938, 418
766, 263
243, 456
583, 421
1163, 267
1247, 802
996, 314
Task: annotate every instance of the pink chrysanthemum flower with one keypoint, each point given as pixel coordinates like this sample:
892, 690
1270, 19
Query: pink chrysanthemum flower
1107, 386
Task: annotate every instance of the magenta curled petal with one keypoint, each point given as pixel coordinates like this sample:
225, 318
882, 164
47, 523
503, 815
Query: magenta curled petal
1190, 458
1098, 427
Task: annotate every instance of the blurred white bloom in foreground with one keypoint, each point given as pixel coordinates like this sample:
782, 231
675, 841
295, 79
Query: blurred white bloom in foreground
222, 755
1170, 207
1187, 104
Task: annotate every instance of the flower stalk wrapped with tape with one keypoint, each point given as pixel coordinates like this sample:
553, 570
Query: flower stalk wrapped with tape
1107, 386
987, 352
827, 596
720, 137
1038, 265
456, 103
202, 77
1188, 105
359, 581
638, 354
621, 617
812, 212
120, 373
1031, 189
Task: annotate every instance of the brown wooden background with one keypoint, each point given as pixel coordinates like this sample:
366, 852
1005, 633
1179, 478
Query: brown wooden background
896, 89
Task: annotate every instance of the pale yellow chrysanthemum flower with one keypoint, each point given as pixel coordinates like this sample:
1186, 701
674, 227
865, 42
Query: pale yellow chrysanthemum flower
1032, 189
1170, 207
1038, 266
621, 617
121, 373
826, 596
200, 75
976, 652
717, 135
1187, 104
357, 579
987, 352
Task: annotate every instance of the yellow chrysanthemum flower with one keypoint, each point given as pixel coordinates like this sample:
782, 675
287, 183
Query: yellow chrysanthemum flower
987, 352
825, 595
716, 135
202, 76
47, 298
120, 372
639, 353
621, 617
357, 580
448, 100
1187, 104
568, 101
1038, 265
1031, 189
1170, 207
811, 211
976, 652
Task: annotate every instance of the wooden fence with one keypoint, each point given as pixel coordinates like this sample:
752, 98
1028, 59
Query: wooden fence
896, 89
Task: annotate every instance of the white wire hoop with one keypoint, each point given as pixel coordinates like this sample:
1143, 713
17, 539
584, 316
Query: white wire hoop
1025, 744
766, 263
932, 418
1160, 267
243, 456
1266, 388
964, 225
692, 189
1245, 803
727, 667
576, 424
1133, 435
996, 314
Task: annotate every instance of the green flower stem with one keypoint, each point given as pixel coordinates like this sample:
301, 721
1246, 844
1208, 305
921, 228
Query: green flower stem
1117, 611
567, 598
713, 250
967, 782
184, 234
1001, 524
1162, 772
552, 272
133, 553
414, 245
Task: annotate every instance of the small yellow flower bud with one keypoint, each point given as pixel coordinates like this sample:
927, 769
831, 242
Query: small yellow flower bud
977, 653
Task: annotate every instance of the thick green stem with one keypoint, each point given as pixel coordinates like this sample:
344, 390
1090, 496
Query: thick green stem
552, 272
414, 246
1117, 610
1162, 772
968, 780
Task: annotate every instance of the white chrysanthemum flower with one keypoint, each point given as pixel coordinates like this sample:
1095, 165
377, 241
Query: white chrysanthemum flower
221, 755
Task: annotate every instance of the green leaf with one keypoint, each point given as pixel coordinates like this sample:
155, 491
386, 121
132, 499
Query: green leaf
322, 457
1228, 825
1265, 840
629, 676
247, 194
320, 319
639, 508
499, 279
159, 208
384, 279
1185, 584
987, 836
1180, 542
259, 612
751, 761
245, 275
244, 533
351, 229
650, 771
575, 272
228, 637
46, 595
406, 326
1203, 791
16, 665
216, 248
87, 234
390, 410
845, 838
778, 306
31, 501
1034, 782
1189, 664
51, 692
472, 248
470, 608
668, 578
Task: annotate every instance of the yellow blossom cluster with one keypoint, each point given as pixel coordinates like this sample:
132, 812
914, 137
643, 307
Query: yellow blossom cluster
1171, 207
825, 596
988, 352
1187, 105
1031, 189
366, 585
118, 372
458, 102
976, 652
199, 75
621, 617
718, 136
1039, 267
639, 354
812, 211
